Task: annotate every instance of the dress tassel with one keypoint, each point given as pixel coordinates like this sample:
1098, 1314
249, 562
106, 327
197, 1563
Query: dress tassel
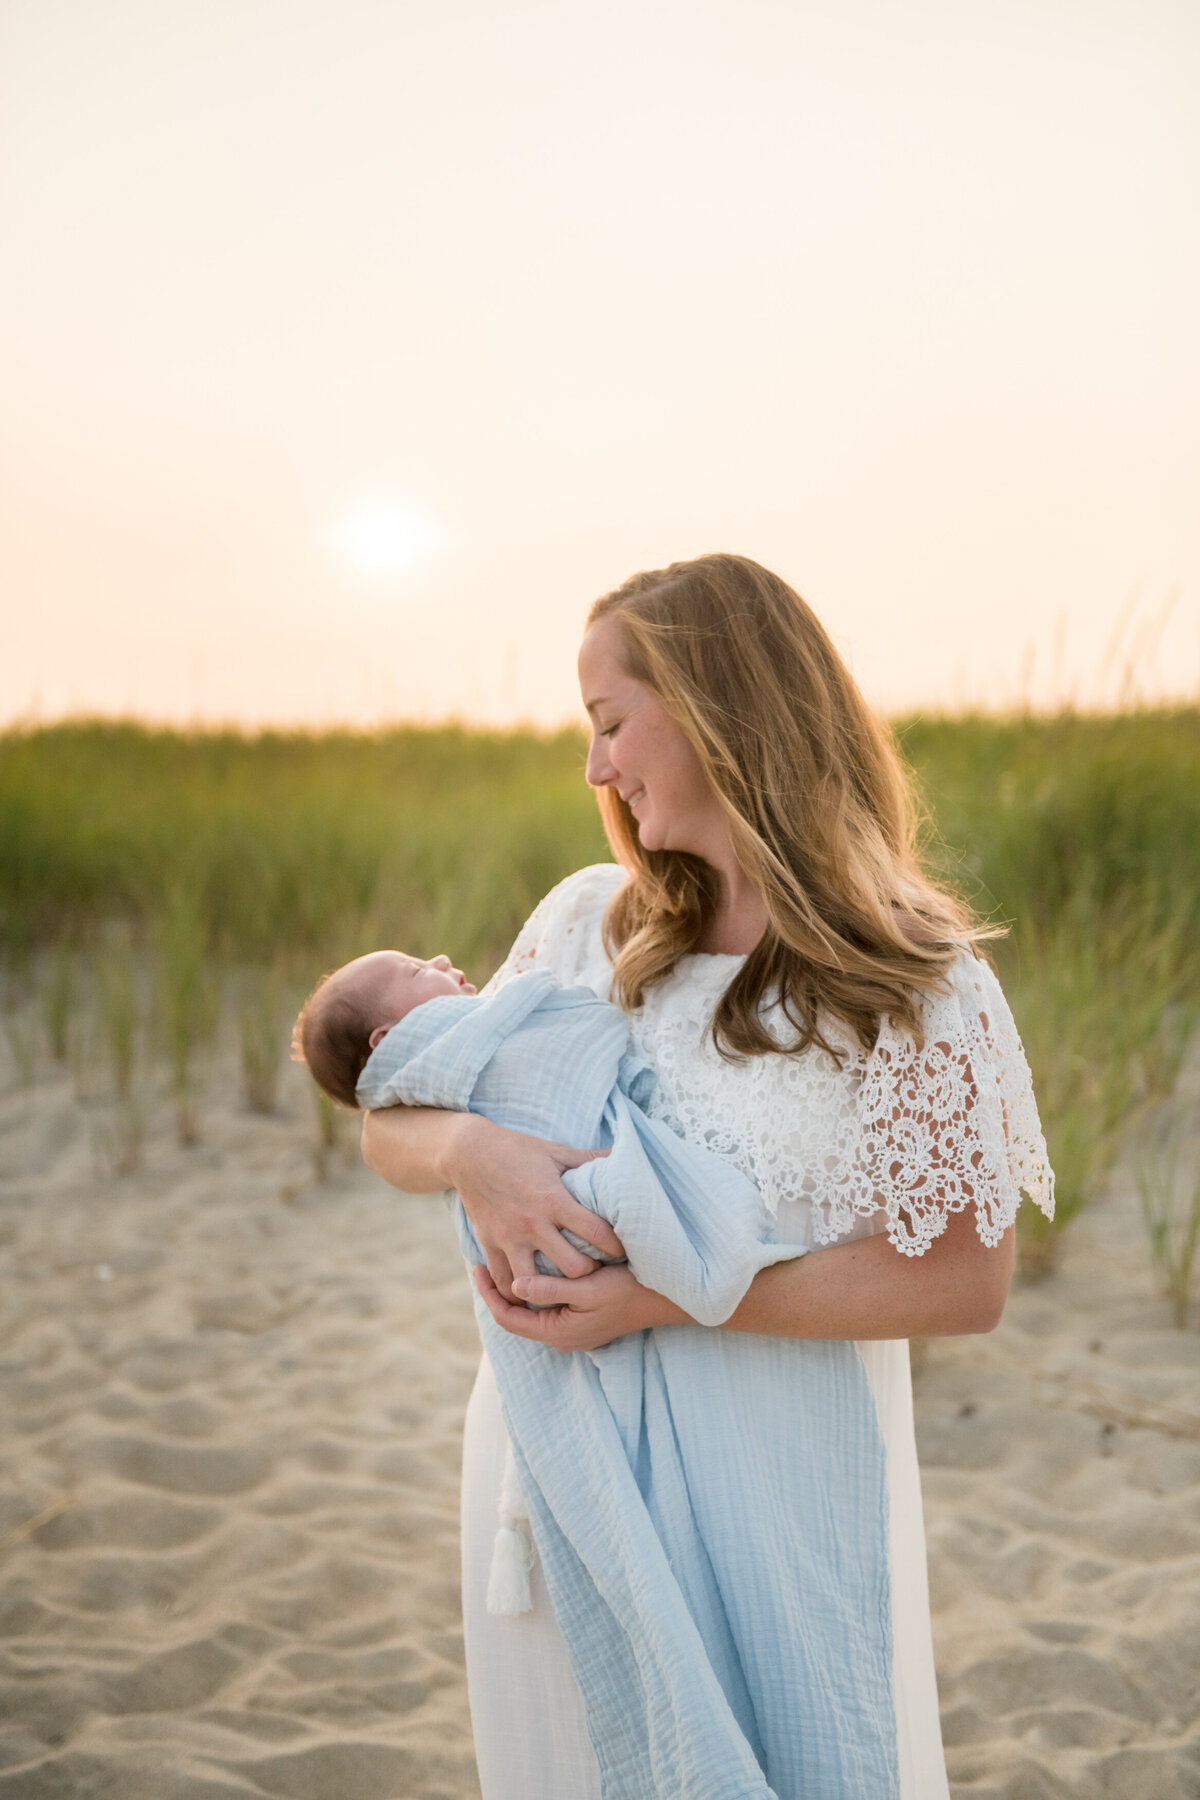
509, 1591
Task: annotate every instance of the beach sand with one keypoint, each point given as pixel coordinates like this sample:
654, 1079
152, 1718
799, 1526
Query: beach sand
229, 1495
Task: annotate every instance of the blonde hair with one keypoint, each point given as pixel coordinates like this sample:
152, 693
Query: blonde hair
819, 807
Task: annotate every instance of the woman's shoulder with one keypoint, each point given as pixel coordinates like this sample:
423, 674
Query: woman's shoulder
575, 907
971, 992
937, 1123
562, 934
586, 889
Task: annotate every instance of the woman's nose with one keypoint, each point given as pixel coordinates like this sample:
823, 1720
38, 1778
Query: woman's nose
599, 771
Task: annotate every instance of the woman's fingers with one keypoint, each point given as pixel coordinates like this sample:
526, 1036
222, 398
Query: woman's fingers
511, 1186
502, 1271
556, 1249
580, 1219
549, 1290
578, 1315
571, 1215
589, 1226
516, 1319
511, 1252
519, 1258
569, 1157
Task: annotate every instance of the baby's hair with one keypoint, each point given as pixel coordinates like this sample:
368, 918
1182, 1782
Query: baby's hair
333, 1036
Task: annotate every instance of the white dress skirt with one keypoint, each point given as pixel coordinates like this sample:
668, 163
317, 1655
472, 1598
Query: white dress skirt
969, 1128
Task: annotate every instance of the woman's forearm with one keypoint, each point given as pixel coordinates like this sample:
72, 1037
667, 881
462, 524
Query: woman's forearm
412, 1147
866, 1289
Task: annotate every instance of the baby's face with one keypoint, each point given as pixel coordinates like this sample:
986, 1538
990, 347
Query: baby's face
392, 983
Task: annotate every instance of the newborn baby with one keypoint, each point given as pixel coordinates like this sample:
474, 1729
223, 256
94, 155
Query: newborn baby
390, 1030
350, 1011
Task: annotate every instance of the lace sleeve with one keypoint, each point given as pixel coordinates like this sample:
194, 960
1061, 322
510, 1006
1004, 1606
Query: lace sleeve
562, 932
950, 1125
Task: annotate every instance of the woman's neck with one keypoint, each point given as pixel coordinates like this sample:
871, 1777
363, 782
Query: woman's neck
740, 916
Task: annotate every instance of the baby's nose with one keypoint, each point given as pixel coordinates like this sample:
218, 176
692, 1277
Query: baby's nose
440, 962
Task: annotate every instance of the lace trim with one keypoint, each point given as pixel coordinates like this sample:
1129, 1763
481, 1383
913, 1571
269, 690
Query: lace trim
562, 933
904, 1135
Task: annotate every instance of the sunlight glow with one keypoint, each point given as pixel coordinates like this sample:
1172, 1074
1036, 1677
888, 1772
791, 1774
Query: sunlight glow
384, 538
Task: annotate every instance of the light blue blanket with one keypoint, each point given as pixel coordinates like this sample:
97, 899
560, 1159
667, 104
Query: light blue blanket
710, 1507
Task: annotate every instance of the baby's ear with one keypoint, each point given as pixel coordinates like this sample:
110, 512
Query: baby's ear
377, 1036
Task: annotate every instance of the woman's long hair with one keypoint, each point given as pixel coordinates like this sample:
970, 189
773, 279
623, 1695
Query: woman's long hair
819, 807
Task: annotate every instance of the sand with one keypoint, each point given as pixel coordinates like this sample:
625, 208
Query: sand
229, 1492
1060, 1463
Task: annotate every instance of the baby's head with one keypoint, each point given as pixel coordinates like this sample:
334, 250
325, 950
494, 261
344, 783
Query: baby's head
348, 1012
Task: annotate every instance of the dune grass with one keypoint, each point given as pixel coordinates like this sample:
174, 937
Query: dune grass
250, 863
187, 1002
1168, 1184
288, 845
1083, 835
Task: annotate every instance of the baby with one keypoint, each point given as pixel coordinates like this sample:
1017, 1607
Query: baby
351, 1011
556, 1063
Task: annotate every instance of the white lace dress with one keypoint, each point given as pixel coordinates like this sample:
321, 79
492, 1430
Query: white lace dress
894, 1142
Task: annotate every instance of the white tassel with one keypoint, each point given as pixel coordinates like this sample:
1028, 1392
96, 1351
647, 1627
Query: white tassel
509, 1591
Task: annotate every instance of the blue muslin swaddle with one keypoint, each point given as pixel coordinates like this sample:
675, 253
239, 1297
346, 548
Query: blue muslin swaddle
710, 1507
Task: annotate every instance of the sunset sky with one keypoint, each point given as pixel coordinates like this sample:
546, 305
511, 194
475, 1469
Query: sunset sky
347, 351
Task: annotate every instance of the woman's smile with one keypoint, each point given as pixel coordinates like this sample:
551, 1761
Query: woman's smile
643, 753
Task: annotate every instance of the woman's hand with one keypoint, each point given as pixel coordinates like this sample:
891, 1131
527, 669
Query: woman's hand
582, 1314
510, 1183
511, 1186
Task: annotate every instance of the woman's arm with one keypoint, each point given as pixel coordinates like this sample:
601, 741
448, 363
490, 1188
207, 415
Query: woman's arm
412, 1146
866, 1289
862, 1289
510, 1183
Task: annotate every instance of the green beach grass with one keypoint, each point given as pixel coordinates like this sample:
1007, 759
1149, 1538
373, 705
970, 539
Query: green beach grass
237, 867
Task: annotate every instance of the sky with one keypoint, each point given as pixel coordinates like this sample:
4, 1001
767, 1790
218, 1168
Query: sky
348, 351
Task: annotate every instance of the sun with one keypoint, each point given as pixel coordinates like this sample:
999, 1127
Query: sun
381, 538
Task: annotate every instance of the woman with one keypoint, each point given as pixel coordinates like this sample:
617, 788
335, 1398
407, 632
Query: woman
815, 1011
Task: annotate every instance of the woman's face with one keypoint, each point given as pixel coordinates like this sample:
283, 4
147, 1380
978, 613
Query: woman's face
638, 749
